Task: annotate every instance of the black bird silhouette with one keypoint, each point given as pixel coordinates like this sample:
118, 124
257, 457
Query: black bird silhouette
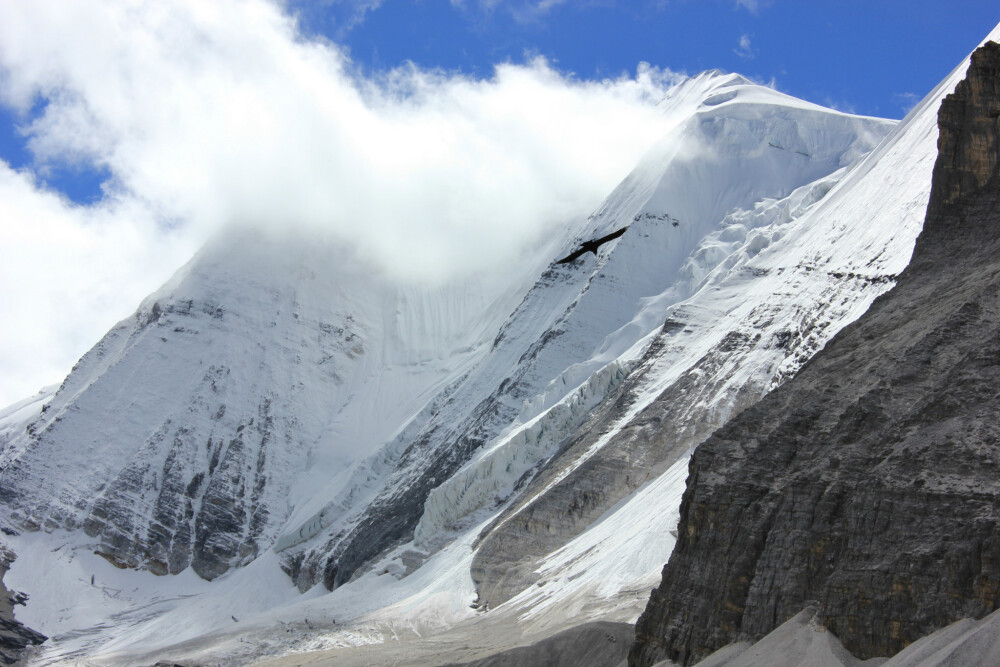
591, 246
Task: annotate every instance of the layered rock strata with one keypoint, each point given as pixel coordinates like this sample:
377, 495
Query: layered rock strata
868, 483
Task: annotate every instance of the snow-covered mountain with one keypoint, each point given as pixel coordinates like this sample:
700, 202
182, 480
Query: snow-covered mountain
285, 421
578, 318
179, 438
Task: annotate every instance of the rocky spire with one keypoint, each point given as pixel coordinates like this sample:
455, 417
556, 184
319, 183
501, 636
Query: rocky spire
969, 132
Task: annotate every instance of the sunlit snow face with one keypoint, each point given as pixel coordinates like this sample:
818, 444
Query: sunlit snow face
205, 114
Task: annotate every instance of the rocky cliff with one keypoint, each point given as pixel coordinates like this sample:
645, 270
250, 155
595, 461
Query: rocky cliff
869, 482
15, 637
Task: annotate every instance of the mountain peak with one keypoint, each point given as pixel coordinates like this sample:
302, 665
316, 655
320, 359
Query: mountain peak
969, 139
722, 78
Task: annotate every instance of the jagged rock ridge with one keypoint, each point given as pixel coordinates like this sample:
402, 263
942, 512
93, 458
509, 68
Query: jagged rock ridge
868, 483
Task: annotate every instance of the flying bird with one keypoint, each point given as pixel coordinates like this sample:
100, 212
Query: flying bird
591, 246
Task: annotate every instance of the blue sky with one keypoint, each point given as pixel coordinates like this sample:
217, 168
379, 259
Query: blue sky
867, 56
862, 56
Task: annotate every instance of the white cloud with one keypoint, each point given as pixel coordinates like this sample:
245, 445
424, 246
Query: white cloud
210, 113
906, 101
360, 9
68, 273
744, 50
522, 11
342, 16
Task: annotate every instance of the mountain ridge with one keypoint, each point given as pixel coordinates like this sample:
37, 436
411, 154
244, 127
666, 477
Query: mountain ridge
864, 483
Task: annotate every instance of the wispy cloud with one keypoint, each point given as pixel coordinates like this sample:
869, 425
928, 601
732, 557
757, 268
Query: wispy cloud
753, 6
359, 10
839, 105
332, 17
744, 49
526, 11
208, 113
906, 101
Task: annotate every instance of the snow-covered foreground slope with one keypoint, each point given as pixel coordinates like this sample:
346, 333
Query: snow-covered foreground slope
278, 409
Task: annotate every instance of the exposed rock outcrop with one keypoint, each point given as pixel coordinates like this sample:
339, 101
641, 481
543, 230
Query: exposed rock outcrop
14, 636
869, 482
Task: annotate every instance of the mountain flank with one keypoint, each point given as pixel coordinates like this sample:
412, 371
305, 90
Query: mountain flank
869, 483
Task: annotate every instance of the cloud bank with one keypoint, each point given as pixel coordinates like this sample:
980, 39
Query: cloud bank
67, 274
209, 114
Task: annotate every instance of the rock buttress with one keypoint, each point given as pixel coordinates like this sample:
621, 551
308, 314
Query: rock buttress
870, 483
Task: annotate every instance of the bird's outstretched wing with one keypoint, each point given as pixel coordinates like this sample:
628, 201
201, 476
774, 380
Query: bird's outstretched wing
612, 235
591, 246
572, 256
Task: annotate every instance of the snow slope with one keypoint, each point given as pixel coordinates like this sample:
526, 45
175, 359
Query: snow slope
791, 274
372, 437
719, 155
263, 369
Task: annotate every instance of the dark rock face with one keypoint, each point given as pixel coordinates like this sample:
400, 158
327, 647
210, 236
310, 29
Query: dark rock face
205, 521
869, 483
15, 637
969, 143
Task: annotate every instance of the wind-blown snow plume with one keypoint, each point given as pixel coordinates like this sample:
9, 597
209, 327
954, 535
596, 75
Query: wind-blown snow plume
202, 115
